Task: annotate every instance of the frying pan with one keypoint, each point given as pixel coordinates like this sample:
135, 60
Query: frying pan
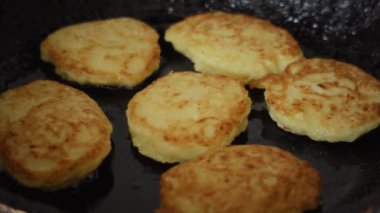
126, 181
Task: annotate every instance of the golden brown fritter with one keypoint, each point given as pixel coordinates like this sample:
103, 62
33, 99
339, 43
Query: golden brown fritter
236, 45
115, 52
52, 135
324, 99
183, 114
241, 178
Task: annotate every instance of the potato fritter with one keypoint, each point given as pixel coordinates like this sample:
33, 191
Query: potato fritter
236, 45
183, 114
114, 52
52, 135
324, 99
241, 178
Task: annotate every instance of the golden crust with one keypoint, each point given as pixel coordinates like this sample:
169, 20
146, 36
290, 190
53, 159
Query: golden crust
183, 114
241, 178
115, 52
324, 99
54, 135
235, 45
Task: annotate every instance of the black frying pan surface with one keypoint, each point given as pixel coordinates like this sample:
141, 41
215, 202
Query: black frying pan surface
128, 182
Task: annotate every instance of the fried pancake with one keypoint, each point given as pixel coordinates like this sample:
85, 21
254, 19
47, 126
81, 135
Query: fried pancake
236, 45
115, 52
52, 135
241, 178
324, 99
183, 114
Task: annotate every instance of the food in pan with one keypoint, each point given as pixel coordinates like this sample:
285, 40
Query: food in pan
115, 52
324, 99
184, 114
241, 178
52, 135
236, 45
